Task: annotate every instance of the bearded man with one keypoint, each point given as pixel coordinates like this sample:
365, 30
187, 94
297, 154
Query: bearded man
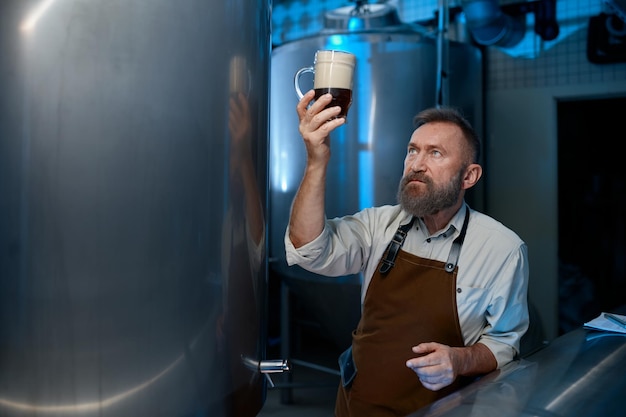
444, 294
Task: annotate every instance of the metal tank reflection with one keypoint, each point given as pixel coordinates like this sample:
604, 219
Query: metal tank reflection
133, 189
396, 76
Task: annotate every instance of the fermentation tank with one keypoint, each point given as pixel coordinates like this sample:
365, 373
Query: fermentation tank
400, 70
133, 196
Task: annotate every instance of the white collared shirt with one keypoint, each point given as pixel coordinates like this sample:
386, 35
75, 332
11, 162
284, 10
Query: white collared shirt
492, 280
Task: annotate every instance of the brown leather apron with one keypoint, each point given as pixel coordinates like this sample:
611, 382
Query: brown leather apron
412, 303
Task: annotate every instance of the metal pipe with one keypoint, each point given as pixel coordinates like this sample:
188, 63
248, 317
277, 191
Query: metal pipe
442, 53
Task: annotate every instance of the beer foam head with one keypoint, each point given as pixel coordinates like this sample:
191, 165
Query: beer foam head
334, 69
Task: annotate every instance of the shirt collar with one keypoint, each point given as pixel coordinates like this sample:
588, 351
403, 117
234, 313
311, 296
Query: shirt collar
452, 228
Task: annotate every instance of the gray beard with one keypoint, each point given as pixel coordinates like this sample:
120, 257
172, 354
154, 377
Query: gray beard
433, 200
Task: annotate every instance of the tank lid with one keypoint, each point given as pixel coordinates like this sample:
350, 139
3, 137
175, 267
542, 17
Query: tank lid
362, 18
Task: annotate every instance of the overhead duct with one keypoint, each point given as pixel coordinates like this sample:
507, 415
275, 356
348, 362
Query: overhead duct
490, 26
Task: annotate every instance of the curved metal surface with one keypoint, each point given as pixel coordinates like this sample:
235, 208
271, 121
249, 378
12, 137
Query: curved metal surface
132, 201
579, 374
366, 17
395, 78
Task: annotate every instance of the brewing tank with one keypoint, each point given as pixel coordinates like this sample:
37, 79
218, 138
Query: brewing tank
396, 76
133, 202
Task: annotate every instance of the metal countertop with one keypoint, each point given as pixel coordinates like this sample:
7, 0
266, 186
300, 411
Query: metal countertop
581, 373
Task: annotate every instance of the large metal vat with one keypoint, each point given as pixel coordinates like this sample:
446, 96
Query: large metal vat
396, 77
132, 229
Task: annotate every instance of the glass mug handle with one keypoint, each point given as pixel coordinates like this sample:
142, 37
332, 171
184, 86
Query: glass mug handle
296, 79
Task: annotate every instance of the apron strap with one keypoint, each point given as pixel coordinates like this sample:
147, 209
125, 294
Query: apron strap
394, 246
396, 243
455, 250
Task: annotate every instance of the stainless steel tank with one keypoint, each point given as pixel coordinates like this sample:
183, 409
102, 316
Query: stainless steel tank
396, 76
132, 207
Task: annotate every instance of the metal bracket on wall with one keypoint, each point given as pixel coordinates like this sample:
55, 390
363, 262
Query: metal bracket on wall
617, 7
546, 25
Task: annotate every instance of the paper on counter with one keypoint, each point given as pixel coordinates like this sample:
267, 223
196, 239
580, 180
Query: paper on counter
604, 324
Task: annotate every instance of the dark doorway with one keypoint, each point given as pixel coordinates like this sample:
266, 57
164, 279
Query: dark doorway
592, 208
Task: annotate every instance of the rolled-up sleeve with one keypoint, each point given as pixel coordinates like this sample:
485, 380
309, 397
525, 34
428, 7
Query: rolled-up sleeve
347, 245
308, 254
337, 251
